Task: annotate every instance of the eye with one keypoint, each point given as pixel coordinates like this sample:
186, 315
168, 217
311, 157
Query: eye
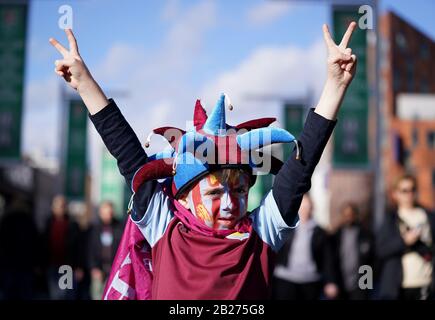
240, 190
214, 192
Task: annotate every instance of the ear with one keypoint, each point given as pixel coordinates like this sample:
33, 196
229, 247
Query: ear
184, 202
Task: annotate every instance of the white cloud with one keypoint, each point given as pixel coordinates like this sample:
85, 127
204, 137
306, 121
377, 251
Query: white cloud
175, 55
268, 11
280, 72
185, 38
153, 78
120, 61
40, 131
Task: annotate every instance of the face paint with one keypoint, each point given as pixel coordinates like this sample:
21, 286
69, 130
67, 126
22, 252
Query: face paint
220, 204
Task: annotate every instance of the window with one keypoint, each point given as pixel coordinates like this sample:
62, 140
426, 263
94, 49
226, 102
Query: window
431, 139
396, 81
410, 76
407, 159
424, 51
401, 42
424, 84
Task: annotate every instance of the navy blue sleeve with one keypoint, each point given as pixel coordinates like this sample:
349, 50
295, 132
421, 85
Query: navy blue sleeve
123, 144
294, 178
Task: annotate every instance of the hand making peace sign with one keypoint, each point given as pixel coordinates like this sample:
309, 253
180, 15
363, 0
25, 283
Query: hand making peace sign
341, 61
71, 67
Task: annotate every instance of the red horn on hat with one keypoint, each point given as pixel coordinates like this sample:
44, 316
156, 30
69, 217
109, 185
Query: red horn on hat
172, 136
199, 115
153, 170
256, 123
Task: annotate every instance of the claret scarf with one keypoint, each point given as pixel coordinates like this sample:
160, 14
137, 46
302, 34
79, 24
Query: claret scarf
131, 275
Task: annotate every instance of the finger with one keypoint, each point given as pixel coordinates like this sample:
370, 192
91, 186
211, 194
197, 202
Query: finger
347, 35
352, 64
59, 73
72, 41
348, 51
339, 57
63, 51
327, 36
60, 64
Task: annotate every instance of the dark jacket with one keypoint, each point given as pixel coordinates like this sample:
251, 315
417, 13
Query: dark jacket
390, 248
18, 240
320, 250
291, 183
95, 244
365, 252
72, 249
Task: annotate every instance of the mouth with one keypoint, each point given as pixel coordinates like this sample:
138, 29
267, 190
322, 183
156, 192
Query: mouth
226, 221
230, 218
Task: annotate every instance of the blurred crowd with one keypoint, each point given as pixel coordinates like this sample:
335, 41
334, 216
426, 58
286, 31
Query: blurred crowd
353, 262
350, 262
30, 260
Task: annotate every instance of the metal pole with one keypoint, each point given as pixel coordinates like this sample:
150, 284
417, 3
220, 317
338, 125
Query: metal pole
379, 205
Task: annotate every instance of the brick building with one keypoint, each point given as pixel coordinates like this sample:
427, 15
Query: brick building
408, 104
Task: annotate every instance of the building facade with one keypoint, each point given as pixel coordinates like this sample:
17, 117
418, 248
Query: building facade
408, 104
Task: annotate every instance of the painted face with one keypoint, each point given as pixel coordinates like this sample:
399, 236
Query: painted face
220, 204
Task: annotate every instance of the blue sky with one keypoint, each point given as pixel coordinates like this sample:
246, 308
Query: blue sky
164, 54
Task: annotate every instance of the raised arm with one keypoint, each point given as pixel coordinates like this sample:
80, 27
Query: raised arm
294, 178
116, 133
73, 69
341, 70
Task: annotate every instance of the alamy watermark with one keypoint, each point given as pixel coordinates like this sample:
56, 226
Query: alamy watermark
66, 19
366, 20
232, 146
365, 281
66, 277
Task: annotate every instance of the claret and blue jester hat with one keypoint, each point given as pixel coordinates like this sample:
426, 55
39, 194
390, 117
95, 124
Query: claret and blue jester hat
211, 144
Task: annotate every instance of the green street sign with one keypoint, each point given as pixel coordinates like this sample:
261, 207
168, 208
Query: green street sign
13, 25
76, 160
351, 132
112, 186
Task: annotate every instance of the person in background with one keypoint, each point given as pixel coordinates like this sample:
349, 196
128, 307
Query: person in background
60, 240
104, 240
304, 264
82, 272
405, 245
353, 247
18, 250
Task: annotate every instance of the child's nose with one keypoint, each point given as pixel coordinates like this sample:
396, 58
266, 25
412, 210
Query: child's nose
226, 202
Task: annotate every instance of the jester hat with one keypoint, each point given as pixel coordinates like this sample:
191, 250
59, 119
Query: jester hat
211, 145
